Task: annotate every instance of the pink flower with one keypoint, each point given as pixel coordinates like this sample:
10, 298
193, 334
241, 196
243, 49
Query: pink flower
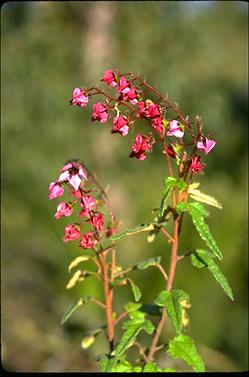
80, 98
141, 146
88, 203
206, 145
76, 193
120, 125
131, 96
97, 221
100, 112
157, 124
71, 233
55, 190
149, 109
87, 241
109, 78
73, 172
196, 165
63, 209
123, 85
175, 129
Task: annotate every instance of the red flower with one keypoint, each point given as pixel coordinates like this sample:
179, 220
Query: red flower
196, 166
109, 78
80, 98
71, 233
120, 125
157, 124
87, 241
88, 203
55, 190
149, 109
63, 209
170, 151
123, 85
131, 96
142, 145
97, 221
100, 112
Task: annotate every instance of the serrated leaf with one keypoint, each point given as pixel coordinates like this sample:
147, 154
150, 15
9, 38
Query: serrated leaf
183, 347
131, 307
198, 208
106, 363
119, 365
136, 229
202, 258
78, 260
73, 307
147, 263
169, 184
132, 327
198, 212
136, 291
201, 197
181, 207
151, 367
172, 302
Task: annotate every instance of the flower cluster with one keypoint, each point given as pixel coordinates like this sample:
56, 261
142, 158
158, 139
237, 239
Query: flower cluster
128, 105
74, 176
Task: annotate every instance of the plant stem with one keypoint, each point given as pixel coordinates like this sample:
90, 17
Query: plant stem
108, 297
174, 248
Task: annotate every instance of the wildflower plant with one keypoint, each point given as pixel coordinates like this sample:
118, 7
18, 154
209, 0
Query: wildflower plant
125, 103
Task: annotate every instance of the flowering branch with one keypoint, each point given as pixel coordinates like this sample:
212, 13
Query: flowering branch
133, 94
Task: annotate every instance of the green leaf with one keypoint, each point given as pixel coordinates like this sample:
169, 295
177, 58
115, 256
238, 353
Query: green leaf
202, 258
132, 327
120, 365
106, 363
151, 367
148, 262
172, 302
177, 148
181, 207
198, 208
183, 347
136, 291
169, 184
201, 197
198, 212
73, 307
136, 229
168, 370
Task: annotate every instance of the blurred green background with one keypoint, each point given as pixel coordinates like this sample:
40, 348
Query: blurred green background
195, 51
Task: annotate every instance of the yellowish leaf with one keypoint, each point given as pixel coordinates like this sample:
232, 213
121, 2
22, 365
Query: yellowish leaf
78, 260
201, 197
76, 277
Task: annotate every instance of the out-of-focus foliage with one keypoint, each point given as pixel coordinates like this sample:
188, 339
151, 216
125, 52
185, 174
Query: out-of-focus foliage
195, 51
